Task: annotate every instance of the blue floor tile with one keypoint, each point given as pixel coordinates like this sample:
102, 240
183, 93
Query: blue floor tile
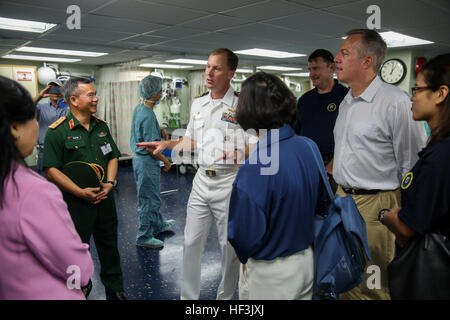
154, 274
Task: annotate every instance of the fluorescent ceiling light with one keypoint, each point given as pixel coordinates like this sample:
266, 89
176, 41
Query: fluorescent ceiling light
61, 51
244, 70
191, 61
164, 66
38, 58
278, 68
25, 25
269, 53
395, 39
300, 74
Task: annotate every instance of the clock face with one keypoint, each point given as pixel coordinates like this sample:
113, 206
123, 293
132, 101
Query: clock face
393, 71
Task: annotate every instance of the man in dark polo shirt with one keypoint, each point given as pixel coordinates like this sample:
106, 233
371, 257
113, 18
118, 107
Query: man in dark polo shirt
319, 107
79, 136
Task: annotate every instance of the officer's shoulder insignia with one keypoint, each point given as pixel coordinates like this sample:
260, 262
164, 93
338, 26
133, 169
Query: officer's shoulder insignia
407, 180
55, 124
98, 119
201, 95
236, 94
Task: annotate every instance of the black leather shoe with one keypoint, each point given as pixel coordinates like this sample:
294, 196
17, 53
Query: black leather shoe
120, 295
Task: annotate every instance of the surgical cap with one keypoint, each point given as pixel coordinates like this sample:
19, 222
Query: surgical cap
150, 86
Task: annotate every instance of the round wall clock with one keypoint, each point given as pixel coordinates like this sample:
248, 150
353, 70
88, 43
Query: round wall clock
393, 71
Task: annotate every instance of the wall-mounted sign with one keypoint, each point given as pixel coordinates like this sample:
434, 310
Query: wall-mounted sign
24, 75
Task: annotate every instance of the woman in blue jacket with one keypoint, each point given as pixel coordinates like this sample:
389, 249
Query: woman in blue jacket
274, 197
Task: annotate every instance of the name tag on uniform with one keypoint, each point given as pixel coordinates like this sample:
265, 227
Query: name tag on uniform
106, 149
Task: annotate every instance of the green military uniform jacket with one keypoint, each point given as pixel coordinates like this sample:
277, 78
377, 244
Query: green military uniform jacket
67, 140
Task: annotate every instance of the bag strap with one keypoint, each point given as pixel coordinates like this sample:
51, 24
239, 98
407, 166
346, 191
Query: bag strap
321, 168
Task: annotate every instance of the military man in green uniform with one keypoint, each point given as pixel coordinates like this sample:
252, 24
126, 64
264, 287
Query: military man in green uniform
82, 137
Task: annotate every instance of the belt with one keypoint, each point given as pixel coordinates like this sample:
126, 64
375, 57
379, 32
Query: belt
212, 172
360, 191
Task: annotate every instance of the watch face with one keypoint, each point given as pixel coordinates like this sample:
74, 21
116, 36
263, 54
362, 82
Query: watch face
393, 71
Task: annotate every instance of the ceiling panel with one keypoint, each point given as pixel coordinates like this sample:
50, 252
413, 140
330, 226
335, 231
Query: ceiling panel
202, 47
176, 49
11, 42
118, 24
267, 10
17, 35
194, 27
273, 33
332, 45
149, 12
398, 14
209, 6
308, 21
33, 13
176, 32
139, 41
214, 22
323, 3
61, 5
438, 4
232, 41
86, 35
437, 33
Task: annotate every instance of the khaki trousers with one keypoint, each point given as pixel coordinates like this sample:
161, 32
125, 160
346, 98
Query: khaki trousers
381, 245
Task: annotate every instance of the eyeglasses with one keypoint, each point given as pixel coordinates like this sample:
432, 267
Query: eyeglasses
415, 89
89, 95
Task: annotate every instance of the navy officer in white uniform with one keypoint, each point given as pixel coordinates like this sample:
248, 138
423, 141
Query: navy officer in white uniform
213, 132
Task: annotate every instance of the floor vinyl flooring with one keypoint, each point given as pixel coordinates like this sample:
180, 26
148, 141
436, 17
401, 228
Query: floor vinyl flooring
154, 274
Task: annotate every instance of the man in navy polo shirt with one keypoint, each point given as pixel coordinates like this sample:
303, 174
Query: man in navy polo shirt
318, 108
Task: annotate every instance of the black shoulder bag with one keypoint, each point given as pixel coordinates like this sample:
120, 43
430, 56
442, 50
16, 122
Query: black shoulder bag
421, 270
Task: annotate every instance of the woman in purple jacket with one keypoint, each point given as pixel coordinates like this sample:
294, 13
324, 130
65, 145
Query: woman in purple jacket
41, 254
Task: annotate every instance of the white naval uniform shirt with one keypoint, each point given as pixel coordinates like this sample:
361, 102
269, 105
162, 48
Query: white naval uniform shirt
213, 128
376, 138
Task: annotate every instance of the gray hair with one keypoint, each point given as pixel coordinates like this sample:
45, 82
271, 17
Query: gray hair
71, 88
372, 44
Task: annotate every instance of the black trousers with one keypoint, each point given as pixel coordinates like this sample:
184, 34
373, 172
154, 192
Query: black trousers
99, 221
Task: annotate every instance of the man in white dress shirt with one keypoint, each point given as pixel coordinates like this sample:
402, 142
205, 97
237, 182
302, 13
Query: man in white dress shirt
376, 144
212, 131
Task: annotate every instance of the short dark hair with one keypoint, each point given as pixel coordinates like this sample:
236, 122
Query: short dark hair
232, 58
71, 88
436, 73
326, 55
16, 106
372, 44
265, 102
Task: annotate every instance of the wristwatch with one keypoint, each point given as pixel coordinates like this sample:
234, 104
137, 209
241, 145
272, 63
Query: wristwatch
111, 182
381, 215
